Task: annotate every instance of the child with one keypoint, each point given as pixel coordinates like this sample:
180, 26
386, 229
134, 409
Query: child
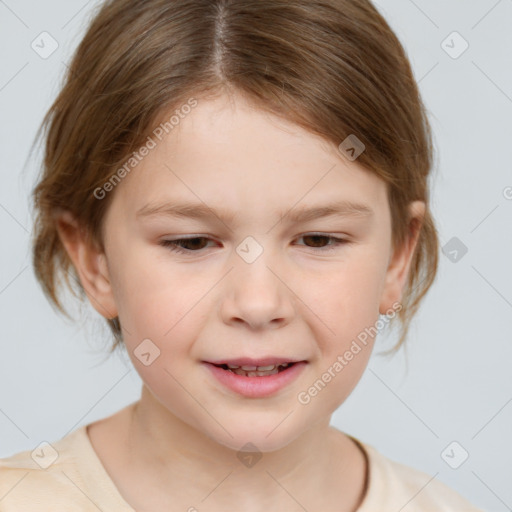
240, 189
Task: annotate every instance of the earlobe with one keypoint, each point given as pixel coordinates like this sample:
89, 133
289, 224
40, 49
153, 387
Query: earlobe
400, 263
90, 264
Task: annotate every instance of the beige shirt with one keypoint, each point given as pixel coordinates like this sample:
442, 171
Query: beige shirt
77, 481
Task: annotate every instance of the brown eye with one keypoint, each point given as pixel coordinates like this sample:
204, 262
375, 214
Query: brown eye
317, 241
185, 245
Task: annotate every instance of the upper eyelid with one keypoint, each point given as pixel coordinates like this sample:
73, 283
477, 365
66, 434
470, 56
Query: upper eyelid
307, 233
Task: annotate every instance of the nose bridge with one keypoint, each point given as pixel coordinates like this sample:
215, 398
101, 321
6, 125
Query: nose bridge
255, 293
253, 260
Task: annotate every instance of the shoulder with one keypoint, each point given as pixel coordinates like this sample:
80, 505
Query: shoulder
393, 486
45, 478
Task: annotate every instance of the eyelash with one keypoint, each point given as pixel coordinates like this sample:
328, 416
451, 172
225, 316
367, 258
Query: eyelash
173, 245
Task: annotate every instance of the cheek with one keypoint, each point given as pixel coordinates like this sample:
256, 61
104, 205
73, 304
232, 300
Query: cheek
153, 294
345, 300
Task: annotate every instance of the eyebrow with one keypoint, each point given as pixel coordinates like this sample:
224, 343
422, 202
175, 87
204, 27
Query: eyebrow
343, 208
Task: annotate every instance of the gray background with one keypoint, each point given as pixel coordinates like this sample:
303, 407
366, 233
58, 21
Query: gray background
452, 384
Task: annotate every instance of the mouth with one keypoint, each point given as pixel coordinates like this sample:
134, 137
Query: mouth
260, 380
254, 370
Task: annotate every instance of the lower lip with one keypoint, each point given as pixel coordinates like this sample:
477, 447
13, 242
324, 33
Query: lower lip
256, 387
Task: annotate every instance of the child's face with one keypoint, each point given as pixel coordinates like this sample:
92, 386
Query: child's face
302, 299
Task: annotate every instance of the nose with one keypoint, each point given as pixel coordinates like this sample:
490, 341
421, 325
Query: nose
257, 294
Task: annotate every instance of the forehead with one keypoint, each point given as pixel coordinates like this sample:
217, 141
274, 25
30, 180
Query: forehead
228, 153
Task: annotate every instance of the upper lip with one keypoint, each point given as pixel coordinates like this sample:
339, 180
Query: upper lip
248, 361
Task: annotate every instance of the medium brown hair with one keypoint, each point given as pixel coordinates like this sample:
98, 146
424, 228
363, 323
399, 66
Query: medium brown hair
334, 67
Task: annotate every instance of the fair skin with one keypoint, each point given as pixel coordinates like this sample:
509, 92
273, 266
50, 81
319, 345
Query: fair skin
178, 445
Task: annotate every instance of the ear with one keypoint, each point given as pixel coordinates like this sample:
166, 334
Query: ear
90, 263
400, 261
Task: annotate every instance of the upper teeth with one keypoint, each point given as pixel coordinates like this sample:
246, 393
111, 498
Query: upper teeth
257, 368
